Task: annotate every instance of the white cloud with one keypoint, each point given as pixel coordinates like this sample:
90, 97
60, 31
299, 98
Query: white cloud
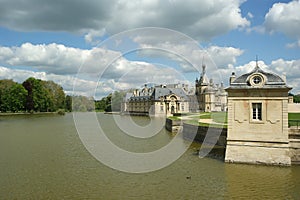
190, 56
192, 17
91, 36
60, 64
57, 58
61, 60
86, 87
224, 56
293, 45
285, 18
250, 15
292, 70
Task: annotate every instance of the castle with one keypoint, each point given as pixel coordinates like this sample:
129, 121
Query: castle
162, 100
257, 104
211, 97
176, 98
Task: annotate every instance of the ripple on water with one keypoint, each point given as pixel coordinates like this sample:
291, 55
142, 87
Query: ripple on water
43, 158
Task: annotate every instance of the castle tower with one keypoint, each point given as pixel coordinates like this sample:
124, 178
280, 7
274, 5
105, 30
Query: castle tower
201, 87
258, 119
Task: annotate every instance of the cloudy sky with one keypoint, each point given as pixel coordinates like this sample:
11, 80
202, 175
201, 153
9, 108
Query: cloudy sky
97, 46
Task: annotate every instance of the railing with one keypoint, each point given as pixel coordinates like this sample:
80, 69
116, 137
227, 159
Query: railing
294, 123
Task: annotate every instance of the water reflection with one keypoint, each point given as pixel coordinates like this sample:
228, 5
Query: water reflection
43, 158
259, 182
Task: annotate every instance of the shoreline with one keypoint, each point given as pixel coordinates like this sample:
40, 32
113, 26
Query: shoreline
27, 113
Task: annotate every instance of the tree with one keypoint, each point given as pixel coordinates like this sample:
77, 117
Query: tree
38, 98
68, 103
17, 98
5, 85
33, 95
83, 104
297, 98
113, 101
12, 96
100, 105
55, 94
116, 101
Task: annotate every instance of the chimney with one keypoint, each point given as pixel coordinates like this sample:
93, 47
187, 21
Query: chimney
232, 78
284, 77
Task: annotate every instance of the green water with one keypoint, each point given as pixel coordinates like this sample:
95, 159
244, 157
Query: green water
42, 157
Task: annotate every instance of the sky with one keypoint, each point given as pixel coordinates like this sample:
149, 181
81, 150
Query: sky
96, 47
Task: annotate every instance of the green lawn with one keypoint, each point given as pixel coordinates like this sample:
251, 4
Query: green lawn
294, 116
294, 119
174, 118
221, 117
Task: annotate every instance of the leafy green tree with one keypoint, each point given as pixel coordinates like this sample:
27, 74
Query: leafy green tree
55, 94
113, 101
116, 101
38, 98
297, 98
82, 104
17, 98
5, 85
33, 95
12, 96
68, 103
100, 105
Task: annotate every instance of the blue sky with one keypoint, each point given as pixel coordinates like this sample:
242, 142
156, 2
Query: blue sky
54, 40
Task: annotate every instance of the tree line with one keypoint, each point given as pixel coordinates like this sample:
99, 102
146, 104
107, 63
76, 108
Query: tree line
33, 95
111, 102
296, 98
36, 95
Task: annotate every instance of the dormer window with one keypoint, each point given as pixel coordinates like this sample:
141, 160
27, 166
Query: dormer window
256, 80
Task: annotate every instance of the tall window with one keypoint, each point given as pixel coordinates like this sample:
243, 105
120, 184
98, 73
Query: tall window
256, 111
161, 108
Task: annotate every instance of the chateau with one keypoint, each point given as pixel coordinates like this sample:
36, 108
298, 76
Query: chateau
257, 104
211, 97
162, 100
177, 98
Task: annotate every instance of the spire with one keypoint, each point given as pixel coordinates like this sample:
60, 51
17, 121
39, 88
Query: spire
256, 67
203, 67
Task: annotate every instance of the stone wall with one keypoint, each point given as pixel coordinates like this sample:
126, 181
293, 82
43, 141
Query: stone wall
209, 134
173, 125
199, 133
294, 142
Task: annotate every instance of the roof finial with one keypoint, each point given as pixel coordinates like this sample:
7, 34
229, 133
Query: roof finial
256, 61
203, 67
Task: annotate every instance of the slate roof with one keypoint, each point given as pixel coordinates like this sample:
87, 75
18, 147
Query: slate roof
128, 96
272, 80
158, 92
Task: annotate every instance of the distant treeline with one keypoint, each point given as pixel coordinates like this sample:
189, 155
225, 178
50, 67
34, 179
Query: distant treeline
296, 97
35, 95
110, 103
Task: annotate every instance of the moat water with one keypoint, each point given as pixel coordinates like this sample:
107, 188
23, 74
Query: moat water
42, 157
